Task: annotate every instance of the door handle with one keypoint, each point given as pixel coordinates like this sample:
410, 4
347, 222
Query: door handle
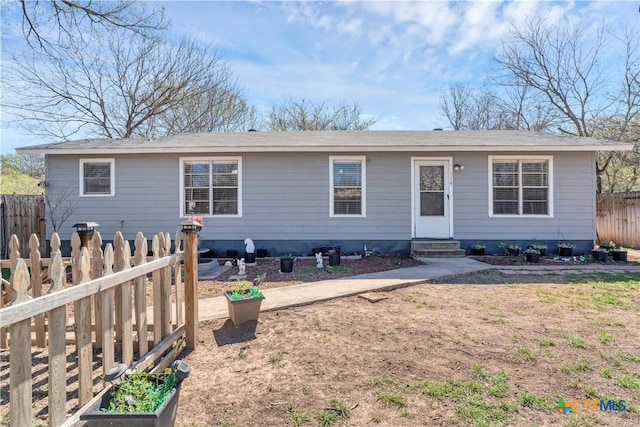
447, 197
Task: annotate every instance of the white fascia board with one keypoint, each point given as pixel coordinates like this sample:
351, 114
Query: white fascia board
327, 148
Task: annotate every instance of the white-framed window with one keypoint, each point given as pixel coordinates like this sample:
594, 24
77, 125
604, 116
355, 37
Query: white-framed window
521, 186
347, 186
97, 177
211, 186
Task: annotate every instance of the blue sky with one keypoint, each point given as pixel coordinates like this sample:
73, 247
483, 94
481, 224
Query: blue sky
393, 58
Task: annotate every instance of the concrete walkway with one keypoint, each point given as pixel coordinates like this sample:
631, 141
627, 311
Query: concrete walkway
308, 293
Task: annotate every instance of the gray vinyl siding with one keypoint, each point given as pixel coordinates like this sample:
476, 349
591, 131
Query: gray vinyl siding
285, 196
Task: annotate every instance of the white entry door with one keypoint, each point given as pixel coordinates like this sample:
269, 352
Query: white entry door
432, 202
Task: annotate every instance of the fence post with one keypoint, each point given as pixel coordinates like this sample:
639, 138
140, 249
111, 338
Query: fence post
191, 283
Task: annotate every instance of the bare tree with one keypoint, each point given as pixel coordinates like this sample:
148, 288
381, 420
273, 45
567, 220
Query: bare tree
61, 23
129, 87
455, 103
59, 206
305, 115
566, 67
471, 109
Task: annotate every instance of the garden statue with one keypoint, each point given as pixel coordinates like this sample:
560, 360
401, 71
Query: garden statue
319, 260
249, 246
241, 267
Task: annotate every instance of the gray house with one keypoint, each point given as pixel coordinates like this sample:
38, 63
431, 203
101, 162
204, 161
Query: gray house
294, 191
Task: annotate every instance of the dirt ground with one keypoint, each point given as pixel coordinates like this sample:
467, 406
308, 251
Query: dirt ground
463, 351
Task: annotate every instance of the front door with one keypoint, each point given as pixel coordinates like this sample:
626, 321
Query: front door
432, 199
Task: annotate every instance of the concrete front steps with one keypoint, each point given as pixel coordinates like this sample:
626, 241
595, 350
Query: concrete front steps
430, 248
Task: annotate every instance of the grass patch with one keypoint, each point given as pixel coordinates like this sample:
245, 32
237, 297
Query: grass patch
277, 359
337, 269
581, 365
482, 413
604, 338
578, 342
335, 412
378, 382
606, 373
629, 382
534, 401
394, 399
580, 420
546, 343
628, 357
527, 354
297, 417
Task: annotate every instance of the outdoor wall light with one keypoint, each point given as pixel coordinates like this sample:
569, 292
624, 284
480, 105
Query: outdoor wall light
458, 167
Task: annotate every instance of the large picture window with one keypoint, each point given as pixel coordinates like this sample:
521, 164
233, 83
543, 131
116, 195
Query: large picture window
97, 177
520, 186
211, 187
347, 180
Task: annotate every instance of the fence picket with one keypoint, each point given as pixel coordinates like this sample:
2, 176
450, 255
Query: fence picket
177, 273
83, 334
36, 287
20, 394
57, 338
106, 303
126, 308
157, 294
118, 248
165, 286
95, 252
140, 295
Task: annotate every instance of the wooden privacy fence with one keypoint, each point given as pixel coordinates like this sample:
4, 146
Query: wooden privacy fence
618, 218
108, 299
22, 216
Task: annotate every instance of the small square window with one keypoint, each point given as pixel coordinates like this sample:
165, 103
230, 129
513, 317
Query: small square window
97, 177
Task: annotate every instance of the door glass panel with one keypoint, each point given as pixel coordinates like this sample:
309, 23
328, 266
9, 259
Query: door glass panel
431, 204
431, 190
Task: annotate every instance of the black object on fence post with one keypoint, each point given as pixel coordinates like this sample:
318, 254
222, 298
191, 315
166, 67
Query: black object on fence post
85, 231
190, 231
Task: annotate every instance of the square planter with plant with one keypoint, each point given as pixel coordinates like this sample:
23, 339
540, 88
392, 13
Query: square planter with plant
565, 249
244, 304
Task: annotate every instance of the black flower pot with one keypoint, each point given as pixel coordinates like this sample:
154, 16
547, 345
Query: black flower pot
532, 257
479, 251
250, 257
334, 259
262, 253
599, 256
232, 253
564, 251
619, 255
286, 265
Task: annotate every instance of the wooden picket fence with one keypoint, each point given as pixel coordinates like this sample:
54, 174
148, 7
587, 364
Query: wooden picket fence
109, 299
618, 218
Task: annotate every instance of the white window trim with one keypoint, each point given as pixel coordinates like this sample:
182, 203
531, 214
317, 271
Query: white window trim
363, 202
229, 158
112, 176
548, 159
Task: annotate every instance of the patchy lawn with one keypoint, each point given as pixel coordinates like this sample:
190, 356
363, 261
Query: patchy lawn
463, 352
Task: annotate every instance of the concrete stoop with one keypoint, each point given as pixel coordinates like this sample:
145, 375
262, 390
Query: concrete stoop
436, 249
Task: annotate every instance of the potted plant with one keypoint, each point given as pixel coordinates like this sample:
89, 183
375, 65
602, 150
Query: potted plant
244, 303
478, 249
334, 258
532, 255
599, 254
510, 249
619, 254
540, 248
140, 398
608, 246
286, 263
565, 249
